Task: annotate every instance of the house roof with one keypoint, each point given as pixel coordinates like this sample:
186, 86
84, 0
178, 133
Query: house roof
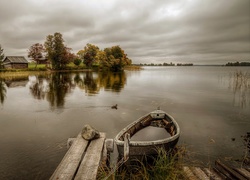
16, 59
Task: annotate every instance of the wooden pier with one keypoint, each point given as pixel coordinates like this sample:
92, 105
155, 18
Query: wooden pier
220, 171
82, 159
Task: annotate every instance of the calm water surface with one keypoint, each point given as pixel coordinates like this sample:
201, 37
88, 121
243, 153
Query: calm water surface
39, 113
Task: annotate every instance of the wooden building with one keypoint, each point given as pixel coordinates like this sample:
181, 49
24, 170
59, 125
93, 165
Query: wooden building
15, 62
43, 60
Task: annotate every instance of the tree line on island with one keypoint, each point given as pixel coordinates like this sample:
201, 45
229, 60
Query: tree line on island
238, 64
166, 64
58, 55
112, 58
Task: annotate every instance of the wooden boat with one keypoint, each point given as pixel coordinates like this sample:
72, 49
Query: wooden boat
134, 149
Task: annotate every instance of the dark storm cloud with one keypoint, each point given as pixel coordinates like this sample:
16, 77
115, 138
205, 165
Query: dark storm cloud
202, 32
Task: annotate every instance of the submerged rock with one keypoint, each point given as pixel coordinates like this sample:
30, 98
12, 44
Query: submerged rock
89, 133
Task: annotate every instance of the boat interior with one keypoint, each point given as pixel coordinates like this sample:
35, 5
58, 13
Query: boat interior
148, 120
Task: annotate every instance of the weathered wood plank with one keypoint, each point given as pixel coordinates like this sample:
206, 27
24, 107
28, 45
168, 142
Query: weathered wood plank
230, 173
212, 174
90, 163
189, 174
126, 146
223, 176
199, 173
243, 172
68, 166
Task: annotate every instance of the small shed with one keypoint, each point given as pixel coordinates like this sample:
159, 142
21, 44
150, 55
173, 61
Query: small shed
15, 62
43, 60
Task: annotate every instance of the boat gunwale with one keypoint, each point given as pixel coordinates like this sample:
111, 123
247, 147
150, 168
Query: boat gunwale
147, 143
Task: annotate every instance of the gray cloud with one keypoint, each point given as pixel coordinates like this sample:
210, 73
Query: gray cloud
202, 32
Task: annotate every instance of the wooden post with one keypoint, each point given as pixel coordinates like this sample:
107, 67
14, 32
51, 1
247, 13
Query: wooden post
126, 146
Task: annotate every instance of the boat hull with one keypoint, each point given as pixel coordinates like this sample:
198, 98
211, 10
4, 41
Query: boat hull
137, 149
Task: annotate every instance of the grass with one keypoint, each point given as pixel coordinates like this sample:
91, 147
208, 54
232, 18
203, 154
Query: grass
167, 166
70, 66
18, 74
133, 68
38, 66
36, 69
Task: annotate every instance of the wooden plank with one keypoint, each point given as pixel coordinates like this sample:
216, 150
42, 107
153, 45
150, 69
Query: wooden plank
189, 174
212, 174
230, 173
243, 172
68, 166
105, 157
223, 176
199, 173
90, 163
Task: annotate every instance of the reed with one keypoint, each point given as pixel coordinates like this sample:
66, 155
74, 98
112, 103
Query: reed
239, 83
18, 74
167, 166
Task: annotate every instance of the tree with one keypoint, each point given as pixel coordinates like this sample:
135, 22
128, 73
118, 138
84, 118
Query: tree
58, 54
1, 56
68, 56
77, 62
116, 58
102, 59
88, 54
35, 52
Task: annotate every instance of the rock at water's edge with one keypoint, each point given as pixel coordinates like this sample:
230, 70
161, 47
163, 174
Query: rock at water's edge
89, 133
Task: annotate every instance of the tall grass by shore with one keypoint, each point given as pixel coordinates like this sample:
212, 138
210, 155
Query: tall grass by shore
167, 166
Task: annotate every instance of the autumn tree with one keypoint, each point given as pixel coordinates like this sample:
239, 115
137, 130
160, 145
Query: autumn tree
58, 54
116, 58
36, 52
102, 59
88, 54
68, 56
1, 56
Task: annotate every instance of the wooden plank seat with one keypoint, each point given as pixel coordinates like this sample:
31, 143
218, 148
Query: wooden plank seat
81, 160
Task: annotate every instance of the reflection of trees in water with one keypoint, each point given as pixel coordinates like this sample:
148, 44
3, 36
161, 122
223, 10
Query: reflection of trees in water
112, 81
54, 87
59, 86
87, 82
107, 80
3, 91
38, 87
240, 84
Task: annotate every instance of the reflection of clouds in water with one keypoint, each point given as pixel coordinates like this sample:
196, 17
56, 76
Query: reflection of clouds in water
239, 83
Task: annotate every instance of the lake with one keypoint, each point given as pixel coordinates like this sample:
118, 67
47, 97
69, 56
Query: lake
38, 113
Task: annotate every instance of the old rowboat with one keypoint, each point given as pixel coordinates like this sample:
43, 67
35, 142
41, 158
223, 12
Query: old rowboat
129, 148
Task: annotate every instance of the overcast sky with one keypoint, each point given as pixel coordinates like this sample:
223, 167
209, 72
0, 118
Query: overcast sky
150, 31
